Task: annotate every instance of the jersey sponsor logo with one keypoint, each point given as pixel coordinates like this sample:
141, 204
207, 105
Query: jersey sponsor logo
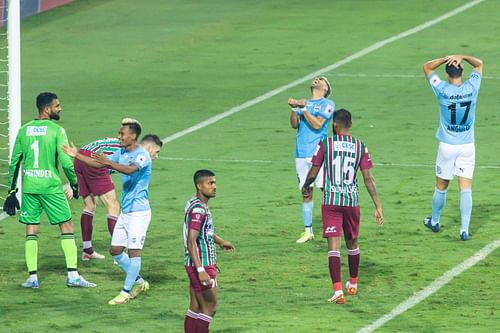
36, 130
435, 81
458, 96
344, 146
475, 75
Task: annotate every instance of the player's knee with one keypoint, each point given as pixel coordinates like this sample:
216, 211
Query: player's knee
114, 250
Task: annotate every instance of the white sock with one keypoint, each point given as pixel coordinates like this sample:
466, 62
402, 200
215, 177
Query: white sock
33, 277
309, 229
87, 244
73, 274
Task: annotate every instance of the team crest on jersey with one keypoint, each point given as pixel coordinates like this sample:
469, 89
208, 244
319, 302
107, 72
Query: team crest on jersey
317, 107
36, 130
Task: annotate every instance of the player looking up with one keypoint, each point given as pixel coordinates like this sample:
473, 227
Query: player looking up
456, 150
342, 155
134, 162
199, 254
96, 183
310, 118
38, 150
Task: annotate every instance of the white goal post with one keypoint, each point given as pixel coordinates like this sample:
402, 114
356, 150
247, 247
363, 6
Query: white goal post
14, 70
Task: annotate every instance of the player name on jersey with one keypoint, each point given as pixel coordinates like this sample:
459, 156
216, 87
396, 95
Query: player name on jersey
37, 173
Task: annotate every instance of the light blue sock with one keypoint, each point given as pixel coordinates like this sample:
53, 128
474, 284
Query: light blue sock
307, 214
133, 271
438, 201
123, 261
465, 208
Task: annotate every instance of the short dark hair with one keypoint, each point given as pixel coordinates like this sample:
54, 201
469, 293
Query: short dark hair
44, 99
202, 174
454, 71
133, 125
342, 117
152, 138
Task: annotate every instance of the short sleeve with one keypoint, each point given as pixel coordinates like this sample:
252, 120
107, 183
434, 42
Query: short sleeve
366, 160
115, 157
141, 161
196, 217
475, 80
327, 111
319, 155
436, 83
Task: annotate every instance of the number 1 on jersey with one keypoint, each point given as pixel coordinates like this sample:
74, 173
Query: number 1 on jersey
36, 151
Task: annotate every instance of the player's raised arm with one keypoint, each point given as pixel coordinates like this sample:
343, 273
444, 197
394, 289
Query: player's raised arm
474, 62
73, 152
372, 190
431, 65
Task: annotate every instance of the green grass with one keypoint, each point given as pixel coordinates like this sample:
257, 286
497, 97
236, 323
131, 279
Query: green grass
172, 64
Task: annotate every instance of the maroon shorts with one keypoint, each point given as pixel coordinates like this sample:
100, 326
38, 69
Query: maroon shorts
194, 281
96, 181
338, 218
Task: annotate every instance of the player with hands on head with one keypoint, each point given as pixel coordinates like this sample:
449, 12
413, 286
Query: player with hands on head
456, 150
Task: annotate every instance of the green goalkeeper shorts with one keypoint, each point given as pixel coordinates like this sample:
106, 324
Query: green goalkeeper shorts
55, 205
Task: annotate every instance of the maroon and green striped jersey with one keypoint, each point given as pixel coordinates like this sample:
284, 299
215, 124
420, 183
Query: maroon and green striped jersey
342, 156
107, 146
197, 216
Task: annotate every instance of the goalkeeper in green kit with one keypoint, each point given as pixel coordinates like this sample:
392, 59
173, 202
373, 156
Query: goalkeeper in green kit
38, 149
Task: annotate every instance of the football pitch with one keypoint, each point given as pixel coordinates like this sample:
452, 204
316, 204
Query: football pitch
175, 64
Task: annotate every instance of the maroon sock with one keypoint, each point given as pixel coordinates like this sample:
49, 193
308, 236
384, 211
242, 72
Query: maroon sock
203, 323
86, 224
190, 322
111, 223
334, 266
353, 259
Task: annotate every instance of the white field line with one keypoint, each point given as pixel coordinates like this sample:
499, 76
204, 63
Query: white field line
433, 287
323, 70
402, 165
394, 76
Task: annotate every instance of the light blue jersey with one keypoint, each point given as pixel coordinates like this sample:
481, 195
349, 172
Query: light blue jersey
457, 108
135, 196
307, 138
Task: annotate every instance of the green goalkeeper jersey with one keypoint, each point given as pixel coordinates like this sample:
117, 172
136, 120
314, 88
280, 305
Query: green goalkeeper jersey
38, 149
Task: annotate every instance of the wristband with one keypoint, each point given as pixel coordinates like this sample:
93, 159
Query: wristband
200, 269
13, 191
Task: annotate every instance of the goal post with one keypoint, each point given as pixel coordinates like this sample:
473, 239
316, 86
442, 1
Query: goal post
14, 69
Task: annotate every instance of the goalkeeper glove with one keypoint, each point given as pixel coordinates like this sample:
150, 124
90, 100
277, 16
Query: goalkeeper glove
74, 187
11, 203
